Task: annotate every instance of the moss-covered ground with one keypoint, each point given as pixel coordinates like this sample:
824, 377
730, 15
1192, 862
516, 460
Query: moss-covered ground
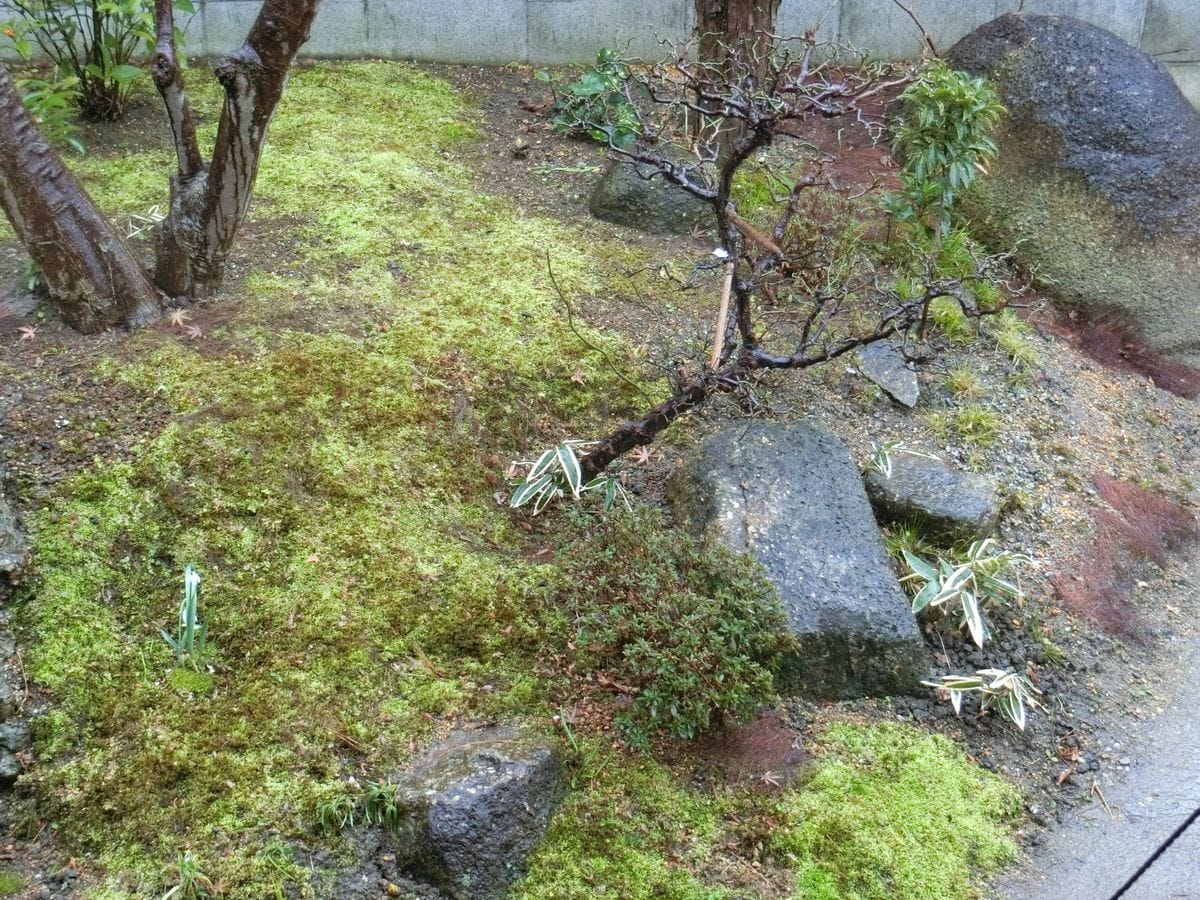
329, 465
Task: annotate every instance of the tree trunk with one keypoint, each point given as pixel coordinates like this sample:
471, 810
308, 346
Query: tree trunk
89, 271
209, 203
735, 37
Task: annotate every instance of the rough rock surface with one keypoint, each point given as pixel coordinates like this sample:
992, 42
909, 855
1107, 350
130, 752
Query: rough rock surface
946, 504
1098, 174
13, 547
885, 365
792, 497
623, 196
478, 804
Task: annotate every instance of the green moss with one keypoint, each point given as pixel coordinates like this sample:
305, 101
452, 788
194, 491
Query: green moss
327, 477
629, 830
893, 812
11, 883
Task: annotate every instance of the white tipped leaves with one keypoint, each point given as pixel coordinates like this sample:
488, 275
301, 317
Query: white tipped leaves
558, 472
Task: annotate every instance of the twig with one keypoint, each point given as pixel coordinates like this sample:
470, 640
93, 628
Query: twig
1099, 793
754, 234
571, 324
924, 33
722, 316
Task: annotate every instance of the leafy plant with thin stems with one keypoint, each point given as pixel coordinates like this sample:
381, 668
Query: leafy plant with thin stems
598, 103
191, 882
97, 43
881, 456
1004, 691
337, 813
968, 584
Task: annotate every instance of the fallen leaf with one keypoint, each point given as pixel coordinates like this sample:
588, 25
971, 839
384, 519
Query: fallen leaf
27, 332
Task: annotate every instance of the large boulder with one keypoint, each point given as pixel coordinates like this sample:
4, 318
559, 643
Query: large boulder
792, 497
946, 505
635, 195
476, 805
1098, 175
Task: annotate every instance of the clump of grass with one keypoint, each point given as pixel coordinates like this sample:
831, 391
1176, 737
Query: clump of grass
11, 883
953, 322
1013, 337
841, 832
963, 382
975, 425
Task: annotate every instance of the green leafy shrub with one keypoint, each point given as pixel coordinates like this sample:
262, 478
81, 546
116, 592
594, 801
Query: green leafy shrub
52, 99
942, 142
893, 812
597, 103
95, 43
688, 632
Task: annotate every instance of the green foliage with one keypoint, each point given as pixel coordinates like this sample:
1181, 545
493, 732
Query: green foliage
11, 883
190, 642
1006, 692
379, 804
190, 881
970, 583
52, 99
942, 142
948, 315
556, 473
893, 812
1012, 338
963, 381
689, 632
336, 813
93, 43
597, 103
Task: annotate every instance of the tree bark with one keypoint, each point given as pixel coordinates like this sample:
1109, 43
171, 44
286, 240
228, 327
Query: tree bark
89, 271
735, 36
209, 204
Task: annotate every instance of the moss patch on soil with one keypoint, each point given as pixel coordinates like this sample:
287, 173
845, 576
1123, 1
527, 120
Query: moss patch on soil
329, 466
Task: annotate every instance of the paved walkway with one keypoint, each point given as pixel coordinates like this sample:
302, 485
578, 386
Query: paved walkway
1092, 854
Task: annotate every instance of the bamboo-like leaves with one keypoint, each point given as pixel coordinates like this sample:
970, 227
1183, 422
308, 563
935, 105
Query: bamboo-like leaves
1007, 692
558, 472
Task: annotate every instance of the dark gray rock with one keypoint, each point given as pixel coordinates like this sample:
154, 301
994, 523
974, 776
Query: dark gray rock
1098, 175
792, 498
13, 548
14, 736
885, 365
945, 504
10, 768
624, 197
477, 805
8, 700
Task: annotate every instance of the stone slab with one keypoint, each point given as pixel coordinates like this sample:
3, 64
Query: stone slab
1172, 30
792, 498
572, 31
888, 33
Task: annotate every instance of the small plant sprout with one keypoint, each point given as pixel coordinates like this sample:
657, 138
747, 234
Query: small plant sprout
881, 456
191, 635
1006, 692
379, 804
556, 473
969, 584
192, 883
335, 814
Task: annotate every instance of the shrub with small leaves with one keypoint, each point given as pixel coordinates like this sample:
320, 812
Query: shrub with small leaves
942, 143
688, 634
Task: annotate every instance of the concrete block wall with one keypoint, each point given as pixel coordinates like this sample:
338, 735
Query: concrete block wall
549, 32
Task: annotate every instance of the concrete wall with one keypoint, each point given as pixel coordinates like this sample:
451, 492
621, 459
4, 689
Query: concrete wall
550, 32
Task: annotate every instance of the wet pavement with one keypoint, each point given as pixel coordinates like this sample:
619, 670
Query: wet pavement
1096, 850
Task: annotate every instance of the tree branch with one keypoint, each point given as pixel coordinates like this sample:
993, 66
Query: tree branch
168, 78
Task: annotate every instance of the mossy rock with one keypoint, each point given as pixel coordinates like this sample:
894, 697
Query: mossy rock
1097, 185
634, 195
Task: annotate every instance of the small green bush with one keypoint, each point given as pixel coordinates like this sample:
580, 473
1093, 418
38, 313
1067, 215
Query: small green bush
689, 631
597, 103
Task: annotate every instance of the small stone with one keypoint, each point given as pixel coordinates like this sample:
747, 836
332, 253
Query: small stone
13, 547
14, 736
885, 365
8, 700
10, 768
946, 504
627, 195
